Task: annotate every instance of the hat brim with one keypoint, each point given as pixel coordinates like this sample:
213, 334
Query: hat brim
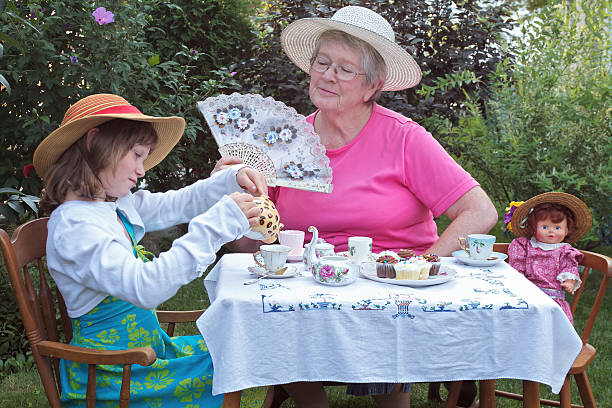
299, 40
169, 131
582, 214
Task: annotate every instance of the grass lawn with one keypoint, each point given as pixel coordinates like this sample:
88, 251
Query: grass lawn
24, 389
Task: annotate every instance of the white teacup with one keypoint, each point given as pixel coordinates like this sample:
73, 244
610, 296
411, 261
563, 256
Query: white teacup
478, 246
359, 249
293, 239
274, 257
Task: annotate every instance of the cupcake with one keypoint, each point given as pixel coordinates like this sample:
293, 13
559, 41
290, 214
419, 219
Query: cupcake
406, 270
434, 260
385, 266
424, 272
406, 253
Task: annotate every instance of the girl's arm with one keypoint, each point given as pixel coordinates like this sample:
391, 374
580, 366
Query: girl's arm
163, 210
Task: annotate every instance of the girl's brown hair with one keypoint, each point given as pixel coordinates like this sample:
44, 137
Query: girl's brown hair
78, 167
556, 213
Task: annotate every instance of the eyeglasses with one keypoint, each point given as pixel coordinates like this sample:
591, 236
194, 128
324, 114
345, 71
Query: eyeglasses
344, 72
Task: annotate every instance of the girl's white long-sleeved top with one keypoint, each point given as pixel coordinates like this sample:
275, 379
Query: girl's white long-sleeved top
90, 257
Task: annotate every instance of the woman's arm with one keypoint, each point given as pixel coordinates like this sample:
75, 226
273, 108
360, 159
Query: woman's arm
472, 213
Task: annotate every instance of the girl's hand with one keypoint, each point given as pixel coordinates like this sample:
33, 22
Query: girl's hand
569, 285
247, 205
252, 181
224, 163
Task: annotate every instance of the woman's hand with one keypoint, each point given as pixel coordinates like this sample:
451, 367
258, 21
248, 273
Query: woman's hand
246, 203
252, 181
569, 285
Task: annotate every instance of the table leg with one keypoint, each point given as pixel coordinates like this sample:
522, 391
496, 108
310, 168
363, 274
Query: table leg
487, 393
531, 394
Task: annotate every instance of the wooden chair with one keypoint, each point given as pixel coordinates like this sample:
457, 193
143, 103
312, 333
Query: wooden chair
39, 308
591, 261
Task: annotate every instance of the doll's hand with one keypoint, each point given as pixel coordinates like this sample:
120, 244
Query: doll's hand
569, 285
252, 181
224, 163
247, 205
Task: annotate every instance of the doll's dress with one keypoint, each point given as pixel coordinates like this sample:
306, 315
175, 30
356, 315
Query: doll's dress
546, 266
181, 376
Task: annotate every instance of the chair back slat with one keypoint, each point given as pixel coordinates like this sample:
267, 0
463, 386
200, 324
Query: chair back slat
33, 304
45, 298
583, 277
66, 322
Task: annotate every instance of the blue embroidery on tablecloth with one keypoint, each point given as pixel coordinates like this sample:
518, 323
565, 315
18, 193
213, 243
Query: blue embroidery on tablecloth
371, 304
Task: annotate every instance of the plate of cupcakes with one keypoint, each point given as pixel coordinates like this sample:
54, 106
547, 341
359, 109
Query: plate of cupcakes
396, 269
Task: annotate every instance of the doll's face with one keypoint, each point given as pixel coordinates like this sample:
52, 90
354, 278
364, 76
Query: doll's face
551, 232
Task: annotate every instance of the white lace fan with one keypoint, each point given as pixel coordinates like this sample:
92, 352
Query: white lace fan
270, 137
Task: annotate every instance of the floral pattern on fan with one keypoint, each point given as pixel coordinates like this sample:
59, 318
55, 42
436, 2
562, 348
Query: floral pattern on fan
270, 137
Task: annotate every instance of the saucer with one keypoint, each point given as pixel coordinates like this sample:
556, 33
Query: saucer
463, 257
258, 270
295, 256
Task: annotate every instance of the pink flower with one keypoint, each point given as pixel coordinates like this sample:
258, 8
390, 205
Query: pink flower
102, 16
327, 271
27, 169
233, 73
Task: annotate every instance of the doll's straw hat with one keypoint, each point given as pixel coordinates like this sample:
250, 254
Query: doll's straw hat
95, 110
582, 215
299, 40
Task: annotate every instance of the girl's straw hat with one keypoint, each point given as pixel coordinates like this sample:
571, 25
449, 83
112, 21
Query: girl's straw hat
299, 42
582, 215
95, 110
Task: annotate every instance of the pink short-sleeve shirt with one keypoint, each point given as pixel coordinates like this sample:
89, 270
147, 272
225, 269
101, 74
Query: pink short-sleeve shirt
389, 182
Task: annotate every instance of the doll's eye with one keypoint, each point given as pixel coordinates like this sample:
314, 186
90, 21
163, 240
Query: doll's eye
543, 227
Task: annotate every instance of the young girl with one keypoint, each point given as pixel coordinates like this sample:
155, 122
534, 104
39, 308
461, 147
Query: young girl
545, 226
111, 284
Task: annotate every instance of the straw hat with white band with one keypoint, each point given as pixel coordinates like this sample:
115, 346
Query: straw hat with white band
95, 110
299, 39
582, 214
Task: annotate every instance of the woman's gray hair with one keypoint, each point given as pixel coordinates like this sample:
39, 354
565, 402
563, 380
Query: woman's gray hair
372, 63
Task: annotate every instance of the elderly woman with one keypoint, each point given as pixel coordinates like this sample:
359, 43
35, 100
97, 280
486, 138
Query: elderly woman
390, 176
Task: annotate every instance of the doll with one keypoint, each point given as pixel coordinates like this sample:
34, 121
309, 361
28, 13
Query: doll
546, 225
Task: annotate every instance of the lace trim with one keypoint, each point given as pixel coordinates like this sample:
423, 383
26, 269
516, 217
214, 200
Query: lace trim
544, 246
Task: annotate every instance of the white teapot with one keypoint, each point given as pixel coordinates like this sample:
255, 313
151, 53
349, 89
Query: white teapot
334, 271
315, 249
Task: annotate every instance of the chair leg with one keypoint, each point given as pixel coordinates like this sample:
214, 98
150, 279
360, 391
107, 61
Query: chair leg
565, 396
531, 394
280, 395
487, 393
433, 392
586, 393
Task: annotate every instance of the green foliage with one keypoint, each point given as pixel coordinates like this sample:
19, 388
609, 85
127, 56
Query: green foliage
456, 44
15, 353
548, 123
73, 56
18, 207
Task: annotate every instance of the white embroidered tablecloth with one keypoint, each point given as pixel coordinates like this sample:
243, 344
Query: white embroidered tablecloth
487, 323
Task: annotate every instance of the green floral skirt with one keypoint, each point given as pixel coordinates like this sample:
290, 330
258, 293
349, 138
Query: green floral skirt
180, 377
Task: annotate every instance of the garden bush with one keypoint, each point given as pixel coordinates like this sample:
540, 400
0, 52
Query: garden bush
73, 55
457, 46
547, 125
